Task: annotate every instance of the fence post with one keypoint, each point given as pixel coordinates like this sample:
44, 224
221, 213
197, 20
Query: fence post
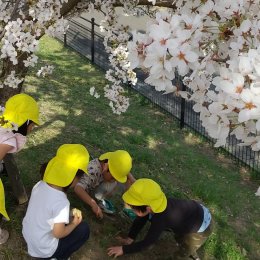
65, 39
92, 40
183, 102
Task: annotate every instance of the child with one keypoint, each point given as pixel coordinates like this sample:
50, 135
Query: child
18, 119
105, 173
46, 226
21, 112
189, 220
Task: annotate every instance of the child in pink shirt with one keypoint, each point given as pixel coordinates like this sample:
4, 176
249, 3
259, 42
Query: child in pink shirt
20, 115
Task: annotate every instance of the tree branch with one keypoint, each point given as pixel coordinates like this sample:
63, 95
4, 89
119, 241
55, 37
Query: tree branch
71, 4
15, 8
162, 3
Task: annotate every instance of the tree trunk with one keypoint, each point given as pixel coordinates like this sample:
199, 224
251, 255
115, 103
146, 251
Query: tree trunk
6, 93
20, 69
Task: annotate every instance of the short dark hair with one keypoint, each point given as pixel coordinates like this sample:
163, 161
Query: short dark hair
43, 168
142, 208
79, 174
23, 128
104, 161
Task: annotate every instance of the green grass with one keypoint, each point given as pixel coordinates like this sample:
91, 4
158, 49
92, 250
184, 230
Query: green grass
184, 165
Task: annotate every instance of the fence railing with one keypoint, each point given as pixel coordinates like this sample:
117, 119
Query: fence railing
84, 37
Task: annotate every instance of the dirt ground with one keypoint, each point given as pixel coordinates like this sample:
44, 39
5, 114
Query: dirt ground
103, 233
102, 236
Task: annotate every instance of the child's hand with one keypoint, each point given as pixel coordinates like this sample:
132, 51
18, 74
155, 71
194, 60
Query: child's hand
115, 251
77, 216
97, 210
76, 212
124, 241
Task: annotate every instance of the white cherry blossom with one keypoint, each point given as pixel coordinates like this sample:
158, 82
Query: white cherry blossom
250, 107
213, 44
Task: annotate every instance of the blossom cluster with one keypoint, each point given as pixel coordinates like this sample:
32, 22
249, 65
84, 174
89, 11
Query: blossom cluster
45, 71
21, 26
93, 92
115, 42
214, 46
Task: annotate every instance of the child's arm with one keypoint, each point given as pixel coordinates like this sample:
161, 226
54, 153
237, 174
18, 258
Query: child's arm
115, 251
158, 225
136, 227
125, 241
4, 149
61, 230
83, 195
130, 181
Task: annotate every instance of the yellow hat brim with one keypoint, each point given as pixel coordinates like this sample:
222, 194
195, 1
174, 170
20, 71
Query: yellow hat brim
20, 108
2, 201
61, 170
55, 172
157, 206
4, 213
105, 156
117, 176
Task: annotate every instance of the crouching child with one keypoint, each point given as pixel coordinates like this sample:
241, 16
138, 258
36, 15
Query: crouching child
106, 173
189, 220
47, 229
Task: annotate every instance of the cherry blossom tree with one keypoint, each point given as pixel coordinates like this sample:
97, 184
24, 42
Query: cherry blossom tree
23, 23
213, 45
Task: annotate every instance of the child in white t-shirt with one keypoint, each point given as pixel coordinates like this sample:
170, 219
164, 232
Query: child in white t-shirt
47, 229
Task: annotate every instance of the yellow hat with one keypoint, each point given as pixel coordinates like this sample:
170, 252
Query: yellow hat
20, 108
146, 192
62, 169
119, 164
2, 201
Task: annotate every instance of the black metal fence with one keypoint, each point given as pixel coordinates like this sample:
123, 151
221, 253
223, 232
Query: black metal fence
84, 37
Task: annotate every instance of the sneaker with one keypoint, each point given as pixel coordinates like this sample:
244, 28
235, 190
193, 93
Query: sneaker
4, 235
107, 206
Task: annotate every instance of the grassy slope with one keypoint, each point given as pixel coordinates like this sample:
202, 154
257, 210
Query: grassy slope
182, 163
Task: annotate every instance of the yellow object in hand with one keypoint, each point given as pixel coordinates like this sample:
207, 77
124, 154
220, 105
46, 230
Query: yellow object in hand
76, 213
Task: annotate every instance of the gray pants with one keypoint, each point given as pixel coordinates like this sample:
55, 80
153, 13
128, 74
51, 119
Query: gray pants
190, 243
